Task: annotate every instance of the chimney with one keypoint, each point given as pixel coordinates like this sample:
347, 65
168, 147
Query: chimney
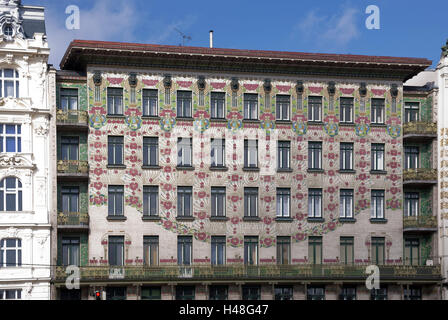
211, 38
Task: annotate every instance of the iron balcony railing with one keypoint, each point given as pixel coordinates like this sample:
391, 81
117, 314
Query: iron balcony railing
420, 175
73, 219
73, 166
72, 117
420, 222
420, 128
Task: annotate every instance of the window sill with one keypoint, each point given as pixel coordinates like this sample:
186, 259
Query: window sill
348, 124
374, 220
219, 219
151, 117
184, 118
186, 219
114, 218
378, 172
251, 219
219, 169
151, 218
115, 166
218, 120
284, 170
347, 171
315, 122
188, 168
316, 220
283, 121
251, 121
251, 169
378, 125
151, 167
347, 220
120, 116
316, 170
284, 219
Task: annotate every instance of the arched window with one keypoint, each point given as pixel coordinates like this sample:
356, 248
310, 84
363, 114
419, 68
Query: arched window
10, 194
10, 253
9, 83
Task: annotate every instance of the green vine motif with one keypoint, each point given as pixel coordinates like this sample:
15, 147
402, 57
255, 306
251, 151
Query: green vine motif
82, 94
426, 203
426, 249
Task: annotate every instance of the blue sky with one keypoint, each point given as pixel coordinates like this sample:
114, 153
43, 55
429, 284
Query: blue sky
408, 28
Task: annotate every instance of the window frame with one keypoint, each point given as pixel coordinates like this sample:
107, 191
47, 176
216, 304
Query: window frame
182, 193
16, 191
5, 137
151, 244
344, 196
68, 95
215, 148
315, 153
251, 250
376, 150
374, 117
15, 79
182, 98
218, 250
5, 247
114, 142
216, 193
114, 96
279, 107
148, 192
249, 153
343, 111
113, 191
214, 106
311, 108
284, 151
185, 152
150, 146
282, 195
312, 204
409, 111
150, 96
346, 150
375, 212
249, 193
117, 243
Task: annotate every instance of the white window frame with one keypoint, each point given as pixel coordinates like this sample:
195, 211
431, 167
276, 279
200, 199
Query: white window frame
18, 249
15, 80
17, 137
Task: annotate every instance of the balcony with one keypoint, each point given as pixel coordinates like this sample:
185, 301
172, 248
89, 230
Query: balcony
420, 176
73, 169
419, 131
72, 120
424, 223
328, 272
76, 221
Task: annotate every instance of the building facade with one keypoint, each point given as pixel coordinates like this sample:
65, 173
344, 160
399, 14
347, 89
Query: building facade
27, 133
196, 173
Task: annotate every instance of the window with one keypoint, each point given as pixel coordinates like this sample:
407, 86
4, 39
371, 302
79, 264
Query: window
315, 293
115, 101
251, 202
378, 250
15, 294
218, 292
315, 109
284, 152
10, 195
315, 203
378, 294
346, 204
184, 202
70, 295
115, 151
115, 201
413, 293
150, 151
184, 104
283, 105
150, 98
184, 152
116, 293
411, 155
70, 199
412, 251
346, 155
11, 138
9, 83
315, 155
150, 201
218, 152
151, 293
250, 153
377, 111
283, 293
70, 251
185, 292
377, 204
11, 253
283, 250
348, 293
347, 250
250, 251
411, 111
184, 250
251, 293
346, 110
377, 157
250, 106
218, 250
315, 250
70, 148
217, 105
218, 202
116, 250
69, 99
411, 201
151, 250
8, 30
283, 203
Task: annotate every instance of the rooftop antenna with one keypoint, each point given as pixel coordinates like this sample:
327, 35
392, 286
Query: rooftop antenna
185, 37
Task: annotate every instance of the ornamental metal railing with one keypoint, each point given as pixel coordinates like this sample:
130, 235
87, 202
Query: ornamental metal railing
420, 128
73, 166
73, 219
72, 117
420, 175
421, 221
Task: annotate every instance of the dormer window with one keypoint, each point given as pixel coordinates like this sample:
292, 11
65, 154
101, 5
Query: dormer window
8, 31
9, 83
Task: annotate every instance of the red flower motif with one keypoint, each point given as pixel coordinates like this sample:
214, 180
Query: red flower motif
98, 158
235, 220
133, 172
133, 186
133, 159
299, 196
267, 242
98, 171
201, 175
168, 187
235, 198
202, 215
98, 185
331, 226
394, 190
267, 220
97, 145
362, 190
235, 241
235, 178
268, 199
167, 224
202, 194
394, 165
300, 236
331, 156
331, 173
133, 146
167, 169
202, 236
331, 207
167, 205
394, 152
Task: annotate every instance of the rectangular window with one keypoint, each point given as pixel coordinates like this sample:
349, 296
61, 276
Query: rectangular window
151, 293
151, 250
217, 105
218, 292
115, 101
283, 293
315, 203
251, 202
284, 154
116, 293
70, 199
348, 293
184, 104
184, 202
116, 250
70, 251
413, 293
378, 245
218, 202
411, 155
185, 152
250, 106
377, 157
184, 250
69, 99
251, 251
346, 155
251, 293
185, 293
346, 203
315, 293
283, 106
250, 153
283, 202
347, 245
70, 148
377, 204
116, 201
151, 201
10, 253
218, 250
411, 203
10, 138
218, 153
150, 99
283, 250
315, 109
115, 150
377, 111
315, 250
411, 111
346, 115
412, 251
378, 294
150, 151
15, 294
315, 155
9, 82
